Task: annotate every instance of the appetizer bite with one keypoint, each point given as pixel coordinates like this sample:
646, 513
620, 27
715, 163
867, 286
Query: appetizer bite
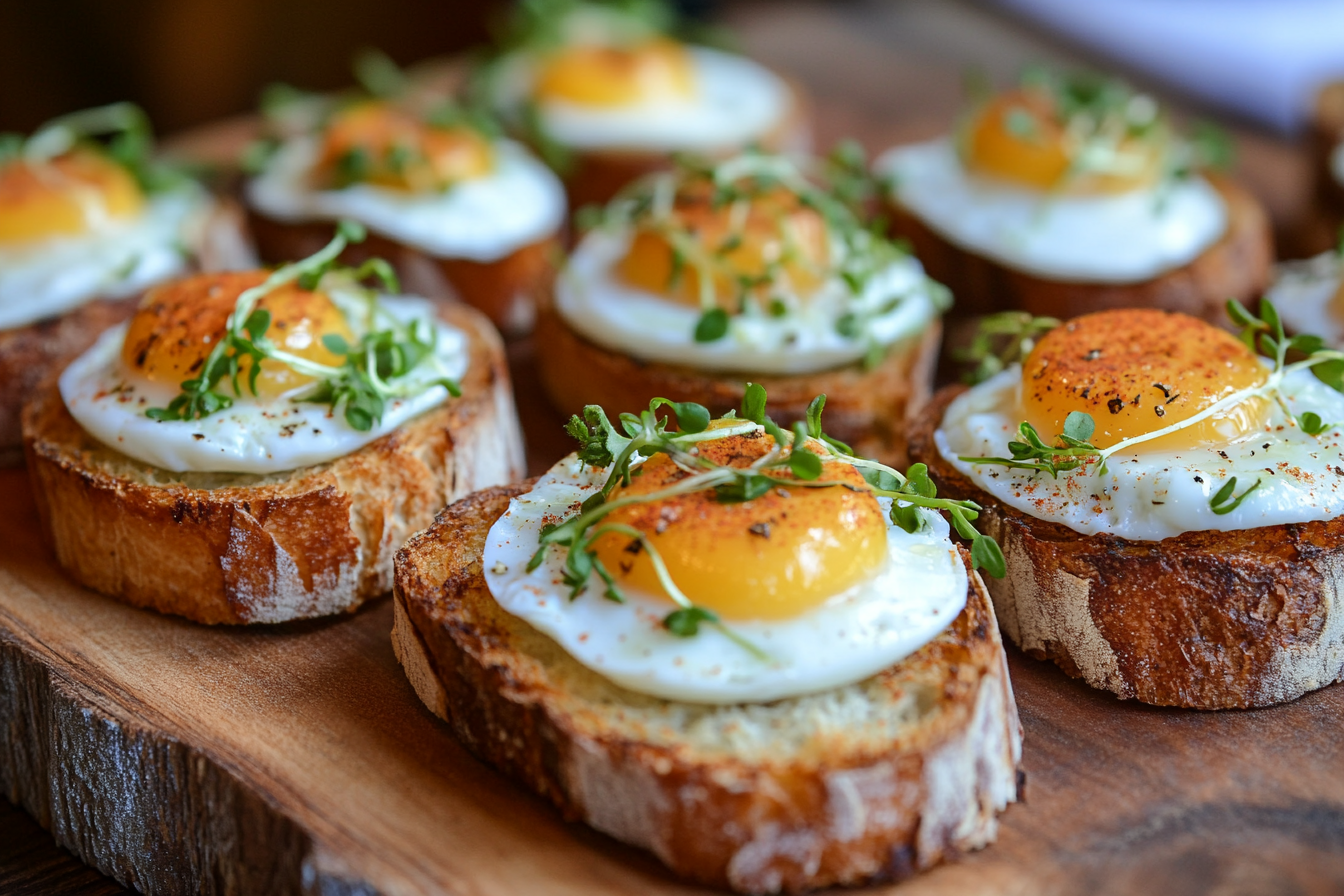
695, 281
458, 209
741, 648
1170, 504
608, 93
253, 446
1072, 193
88, 219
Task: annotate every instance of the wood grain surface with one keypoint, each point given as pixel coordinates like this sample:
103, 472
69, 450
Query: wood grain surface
296, 759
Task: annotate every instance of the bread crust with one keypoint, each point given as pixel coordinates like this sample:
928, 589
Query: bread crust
789, 822
867, 409
31, 353
1203, 620
228, 548
1237, 266
504, 289
593, 177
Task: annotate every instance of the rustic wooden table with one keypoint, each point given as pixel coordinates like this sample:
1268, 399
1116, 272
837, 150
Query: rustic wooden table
887, 71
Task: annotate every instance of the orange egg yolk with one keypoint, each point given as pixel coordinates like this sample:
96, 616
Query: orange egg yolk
1136, 371
178, 323
380, 144
593, 75
67, 195
773, 557
776, 242
1018, 137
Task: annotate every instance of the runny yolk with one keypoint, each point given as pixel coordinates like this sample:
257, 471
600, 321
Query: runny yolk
67, 195
1018, 137
380, 144
593, 75
178, 323
776, 241
773, 557
1136, 371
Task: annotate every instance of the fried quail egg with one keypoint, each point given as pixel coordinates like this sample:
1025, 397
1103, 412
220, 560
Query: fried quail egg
654, 95
447, 191
139, 365
1135, 372
818, 580
78, 227
799, 291
1106, 238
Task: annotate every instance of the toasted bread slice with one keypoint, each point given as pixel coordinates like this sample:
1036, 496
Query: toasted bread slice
865, 408
593, 177
505, 289
232, 548
1238, 266
1204, 620
875, 780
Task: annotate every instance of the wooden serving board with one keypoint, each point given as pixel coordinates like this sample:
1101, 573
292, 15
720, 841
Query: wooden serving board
183, 759
296, 759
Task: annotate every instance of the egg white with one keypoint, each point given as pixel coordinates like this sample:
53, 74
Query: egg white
1302, 291
519, 202
44, 278
1156, 494
735, 102
1123, 238
595, 302
855, 634
254, 435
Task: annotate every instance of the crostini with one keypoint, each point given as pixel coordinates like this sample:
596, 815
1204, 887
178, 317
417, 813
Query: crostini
458, 209
1073, 193
698, 280
89, 219
740, 648
254, 446
1169, 503
607, 93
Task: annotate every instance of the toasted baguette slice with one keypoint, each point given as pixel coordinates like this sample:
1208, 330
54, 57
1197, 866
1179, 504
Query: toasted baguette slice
31, 353
872, 781
232, 548
866, 408
1203, 620
1238, 266
593, 177
505, 289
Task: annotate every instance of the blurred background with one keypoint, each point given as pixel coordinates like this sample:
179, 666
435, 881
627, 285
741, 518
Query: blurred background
191, 61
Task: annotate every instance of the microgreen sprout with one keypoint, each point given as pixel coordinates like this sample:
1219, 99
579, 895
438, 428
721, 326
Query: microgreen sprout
121, 131
796, 460
1262, 331
1001, 340
1225, 500
374, 369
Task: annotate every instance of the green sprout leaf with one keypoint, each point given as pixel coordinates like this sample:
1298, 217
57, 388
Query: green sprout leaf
685, 623
712, 325
1225, 500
